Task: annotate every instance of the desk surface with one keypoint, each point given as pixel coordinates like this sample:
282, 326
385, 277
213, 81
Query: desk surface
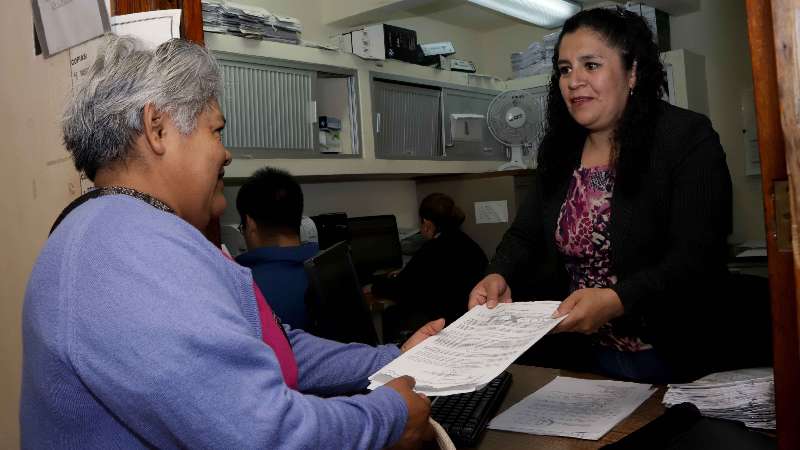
528, 379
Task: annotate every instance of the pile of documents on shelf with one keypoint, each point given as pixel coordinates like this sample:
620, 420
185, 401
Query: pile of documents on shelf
474, 349
746, 395
536, 59
222, 16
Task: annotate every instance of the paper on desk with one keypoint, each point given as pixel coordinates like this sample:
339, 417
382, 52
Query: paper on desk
572, 407
745, 395
473, 350
753, 252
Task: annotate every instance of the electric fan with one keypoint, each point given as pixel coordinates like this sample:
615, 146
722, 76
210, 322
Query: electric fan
514, 118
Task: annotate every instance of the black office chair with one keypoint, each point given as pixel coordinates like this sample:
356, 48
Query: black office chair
338, 309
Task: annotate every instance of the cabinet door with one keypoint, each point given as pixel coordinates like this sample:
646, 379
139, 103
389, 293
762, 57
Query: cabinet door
481, 145
407, 121
271, 111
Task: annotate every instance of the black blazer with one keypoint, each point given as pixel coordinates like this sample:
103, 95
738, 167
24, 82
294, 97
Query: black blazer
438, 279
668, 239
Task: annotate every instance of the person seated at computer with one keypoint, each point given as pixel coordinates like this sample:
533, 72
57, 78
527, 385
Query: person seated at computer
270, 206
437, 280
628, 218
138, 332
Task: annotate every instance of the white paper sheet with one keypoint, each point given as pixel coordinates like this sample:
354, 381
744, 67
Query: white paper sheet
152, 27
61, 24
573, 407
491, 212
474, 349
753, 252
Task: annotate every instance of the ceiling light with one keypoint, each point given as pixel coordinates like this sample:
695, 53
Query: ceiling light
544, 13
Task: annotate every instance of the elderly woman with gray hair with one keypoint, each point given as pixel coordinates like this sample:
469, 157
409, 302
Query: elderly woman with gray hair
138, 332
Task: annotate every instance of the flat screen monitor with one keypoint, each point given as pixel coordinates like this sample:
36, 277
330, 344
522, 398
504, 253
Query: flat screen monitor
375, 245
340, 312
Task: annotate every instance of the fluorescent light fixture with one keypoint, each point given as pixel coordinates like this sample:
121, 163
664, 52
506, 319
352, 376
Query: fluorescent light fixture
544, 13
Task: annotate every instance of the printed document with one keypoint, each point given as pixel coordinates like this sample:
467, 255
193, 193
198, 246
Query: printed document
474, 349
745, 395
573, 407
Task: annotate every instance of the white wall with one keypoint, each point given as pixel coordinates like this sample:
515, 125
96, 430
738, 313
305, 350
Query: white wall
719, 32
356, 198
38, 181
364, 198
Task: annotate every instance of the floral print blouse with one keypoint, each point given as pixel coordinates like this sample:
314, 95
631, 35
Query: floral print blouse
583, 238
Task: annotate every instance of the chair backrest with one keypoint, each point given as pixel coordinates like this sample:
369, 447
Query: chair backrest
340, 312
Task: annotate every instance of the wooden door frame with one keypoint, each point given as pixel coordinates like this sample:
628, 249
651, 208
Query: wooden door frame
772, 58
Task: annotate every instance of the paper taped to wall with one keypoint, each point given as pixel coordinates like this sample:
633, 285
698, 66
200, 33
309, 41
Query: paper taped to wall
491, 212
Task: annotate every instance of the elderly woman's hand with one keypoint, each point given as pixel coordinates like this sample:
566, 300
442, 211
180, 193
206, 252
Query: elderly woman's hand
588, 310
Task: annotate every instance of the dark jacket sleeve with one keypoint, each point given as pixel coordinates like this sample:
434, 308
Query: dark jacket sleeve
699, 218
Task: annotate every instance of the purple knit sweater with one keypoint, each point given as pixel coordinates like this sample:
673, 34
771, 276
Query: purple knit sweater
137, 332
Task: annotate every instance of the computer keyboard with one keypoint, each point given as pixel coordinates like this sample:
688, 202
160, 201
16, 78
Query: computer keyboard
465, 416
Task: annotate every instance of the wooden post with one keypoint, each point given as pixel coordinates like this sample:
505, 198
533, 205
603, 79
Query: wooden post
770, 112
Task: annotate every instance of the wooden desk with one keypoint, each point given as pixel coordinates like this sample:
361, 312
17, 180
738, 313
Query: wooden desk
528, 379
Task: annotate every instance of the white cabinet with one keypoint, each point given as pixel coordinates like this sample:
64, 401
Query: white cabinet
269, 110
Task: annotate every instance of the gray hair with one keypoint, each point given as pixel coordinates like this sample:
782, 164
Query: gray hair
104, 115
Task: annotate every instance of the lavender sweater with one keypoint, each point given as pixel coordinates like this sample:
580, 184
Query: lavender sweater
137, 332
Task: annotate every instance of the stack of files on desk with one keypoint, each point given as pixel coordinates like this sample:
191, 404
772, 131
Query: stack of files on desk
473, 350
223, 16
746, 395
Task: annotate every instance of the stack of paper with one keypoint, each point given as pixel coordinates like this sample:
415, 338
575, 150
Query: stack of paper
573, 407
249, 21
536, 59
473, 350
531, 61
223, 16
746, 395
212, 16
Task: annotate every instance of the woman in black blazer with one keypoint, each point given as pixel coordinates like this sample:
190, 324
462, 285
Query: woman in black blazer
437, 281
628, 219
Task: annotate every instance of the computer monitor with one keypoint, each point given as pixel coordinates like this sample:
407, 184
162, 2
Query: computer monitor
338, 309
331, 228
375, 244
